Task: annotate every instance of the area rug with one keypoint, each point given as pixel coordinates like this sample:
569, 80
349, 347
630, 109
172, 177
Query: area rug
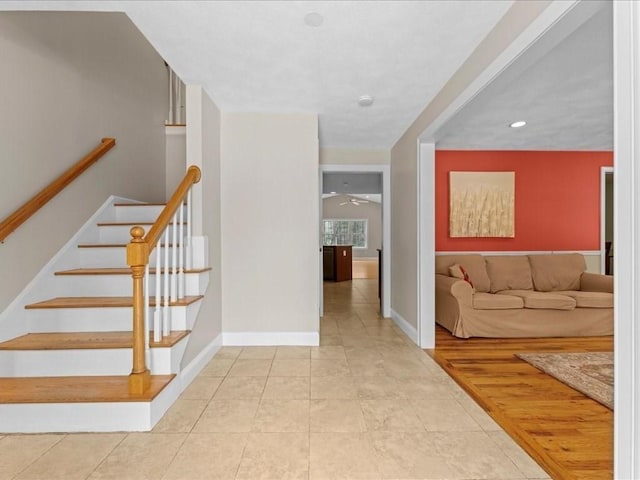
589, 373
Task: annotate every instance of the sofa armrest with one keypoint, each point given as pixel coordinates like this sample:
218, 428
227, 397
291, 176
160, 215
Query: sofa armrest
454, 287
594, 282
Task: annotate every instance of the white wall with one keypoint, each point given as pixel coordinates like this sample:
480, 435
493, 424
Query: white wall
354, 156
204, 123
270, 217
69, 79
176, 157
372, 212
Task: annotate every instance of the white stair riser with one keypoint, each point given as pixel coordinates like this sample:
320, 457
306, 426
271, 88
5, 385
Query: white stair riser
106, 361
117, 285
141, 213
115, 319
115, 257
87, 417
122, 233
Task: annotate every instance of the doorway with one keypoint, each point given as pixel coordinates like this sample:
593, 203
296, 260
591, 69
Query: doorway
360, 182
606, 220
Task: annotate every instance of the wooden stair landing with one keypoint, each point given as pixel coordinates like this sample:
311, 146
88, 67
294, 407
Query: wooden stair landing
92, 389
105, 302
84, 340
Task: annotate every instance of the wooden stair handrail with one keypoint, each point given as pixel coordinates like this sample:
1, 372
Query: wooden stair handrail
138, 252
177, 199
22, 214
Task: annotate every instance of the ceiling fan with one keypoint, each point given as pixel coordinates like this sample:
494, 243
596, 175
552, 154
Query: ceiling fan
354, 201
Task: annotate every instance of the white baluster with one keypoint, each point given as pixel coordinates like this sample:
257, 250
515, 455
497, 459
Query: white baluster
181, 279
188, 242
157, 314
147, 352
166, 328
174, 259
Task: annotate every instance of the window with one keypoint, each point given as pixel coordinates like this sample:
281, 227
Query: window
345, 232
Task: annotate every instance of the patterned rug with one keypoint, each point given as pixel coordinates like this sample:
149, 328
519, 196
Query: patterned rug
589, 373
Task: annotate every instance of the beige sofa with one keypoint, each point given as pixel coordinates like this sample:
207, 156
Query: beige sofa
522, 296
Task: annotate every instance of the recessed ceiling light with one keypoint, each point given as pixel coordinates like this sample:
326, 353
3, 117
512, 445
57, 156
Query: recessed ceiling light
518, 124
333, 193
365, 100
313, 19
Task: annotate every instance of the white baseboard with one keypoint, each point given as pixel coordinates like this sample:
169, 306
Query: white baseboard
196, 365
271, 338
405, 326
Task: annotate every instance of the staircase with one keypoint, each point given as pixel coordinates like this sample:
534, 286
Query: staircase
65, 366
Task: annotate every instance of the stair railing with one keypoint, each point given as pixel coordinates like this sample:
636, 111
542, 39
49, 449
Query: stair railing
22, 214
173, 240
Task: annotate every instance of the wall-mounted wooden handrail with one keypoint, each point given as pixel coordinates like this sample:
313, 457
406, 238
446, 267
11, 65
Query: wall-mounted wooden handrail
22, 214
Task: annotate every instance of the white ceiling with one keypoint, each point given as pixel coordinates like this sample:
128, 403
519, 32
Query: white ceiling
261, 57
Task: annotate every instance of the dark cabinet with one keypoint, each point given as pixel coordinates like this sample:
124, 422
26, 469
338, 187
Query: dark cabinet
337, 262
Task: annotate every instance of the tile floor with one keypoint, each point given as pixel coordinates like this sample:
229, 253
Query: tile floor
365, 404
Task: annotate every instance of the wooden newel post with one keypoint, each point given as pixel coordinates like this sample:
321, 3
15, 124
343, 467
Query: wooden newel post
137, 259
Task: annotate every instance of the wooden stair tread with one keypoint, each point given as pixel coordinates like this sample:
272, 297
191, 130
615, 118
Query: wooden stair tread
93, 302
114, 245
84, 340
118, 271
130, 224
76, 389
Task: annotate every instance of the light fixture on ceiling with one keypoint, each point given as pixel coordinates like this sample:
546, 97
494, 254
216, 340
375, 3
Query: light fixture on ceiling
518, 124
333, 193
365, 100
313, 19
354, 201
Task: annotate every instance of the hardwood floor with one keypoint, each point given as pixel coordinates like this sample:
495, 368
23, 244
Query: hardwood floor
567, 433
365, 268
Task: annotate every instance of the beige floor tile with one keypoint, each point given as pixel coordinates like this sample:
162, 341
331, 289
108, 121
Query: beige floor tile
257, 353
328, 351
336, 416
362, 367
481, 417
329, 328
293, 352
474, 455
404, 366
278, 415
357, 341
241, 387
333, 387
444, 414
181, 416
287, 388
329, 367
394, 415
140, 456
202, 388
227, 415
409, 455
522, 460
275, 455
342, 456
250, 368
371, 387
326, 340
228, 353
291, 367
73, 457
19, 451
217, 367
425, 387
208, 456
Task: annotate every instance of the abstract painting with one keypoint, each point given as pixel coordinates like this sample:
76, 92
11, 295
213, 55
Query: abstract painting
481, 204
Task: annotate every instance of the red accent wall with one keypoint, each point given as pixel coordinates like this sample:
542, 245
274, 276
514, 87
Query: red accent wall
557, 197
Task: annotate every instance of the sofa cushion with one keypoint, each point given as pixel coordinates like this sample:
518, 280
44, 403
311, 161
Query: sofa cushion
490, 301
542, 300
509, 272
590, 299
552, 273
474, 265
